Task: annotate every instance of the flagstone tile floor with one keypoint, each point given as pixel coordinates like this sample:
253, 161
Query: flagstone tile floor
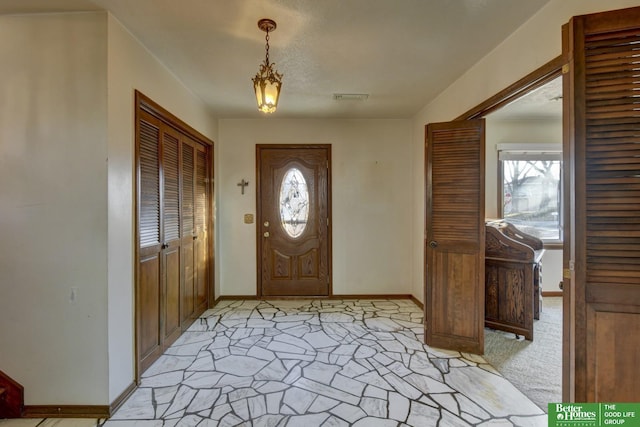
311, 363
319, 363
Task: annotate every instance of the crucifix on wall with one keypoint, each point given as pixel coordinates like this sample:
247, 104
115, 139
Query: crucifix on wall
242, 184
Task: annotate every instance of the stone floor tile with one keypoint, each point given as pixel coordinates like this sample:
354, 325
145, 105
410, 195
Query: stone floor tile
374, 407
274, 371
350, 413
398, 406
489, 392
257, 406
320, 372
348, 385
423, 415
327, 391
202, 379
240, 365
298, 399
204, 399
402, 386
319, 340
323, 404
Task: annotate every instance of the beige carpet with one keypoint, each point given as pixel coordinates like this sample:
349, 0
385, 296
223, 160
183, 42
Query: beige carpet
534, 367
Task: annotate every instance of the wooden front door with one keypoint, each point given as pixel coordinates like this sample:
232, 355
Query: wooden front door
454, 299
293, 220
602, 215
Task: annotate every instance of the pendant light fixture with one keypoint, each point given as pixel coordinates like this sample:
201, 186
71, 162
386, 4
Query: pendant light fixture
267, 82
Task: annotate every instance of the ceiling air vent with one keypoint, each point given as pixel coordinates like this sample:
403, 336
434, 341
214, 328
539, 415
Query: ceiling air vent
350, 96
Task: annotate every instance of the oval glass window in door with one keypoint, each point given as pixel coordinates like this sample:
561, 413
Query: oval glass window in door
294, 203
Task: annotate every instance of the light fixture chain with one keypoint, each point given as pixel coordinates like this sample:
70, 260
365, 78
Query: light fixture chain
267, 47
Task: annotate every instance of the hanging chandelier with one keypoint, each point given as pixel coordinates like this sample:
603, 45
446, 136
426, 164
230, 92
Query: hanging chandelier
267, 82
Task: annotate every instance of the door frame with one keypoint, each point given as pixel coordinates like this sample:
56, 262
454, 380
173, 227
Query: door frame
258, 221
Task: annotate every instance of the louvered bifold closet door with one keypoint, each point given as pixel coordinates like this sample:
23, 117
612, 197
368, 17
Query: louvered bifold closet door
188, 230
606, 111
171, 233
201, 214
148, 289
455, 235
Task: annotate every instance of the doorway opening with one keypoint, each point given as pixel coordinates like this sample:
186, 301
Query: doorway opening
523, 176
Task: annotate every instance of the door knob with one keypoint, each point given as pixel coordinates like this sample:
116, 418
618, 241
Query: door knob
433, 243
266, 234
266, 223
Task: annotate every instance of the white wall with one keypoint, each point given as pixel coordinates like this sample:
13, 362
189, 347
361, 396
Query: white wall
53, 206
132, 67
66, 200
532, 45
521, 131
372, 191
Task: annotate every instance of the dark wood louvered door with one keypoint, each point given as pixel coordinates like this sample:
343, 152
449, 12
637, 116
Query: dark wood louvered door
149, 333
201, 230
602, 243
454, 299
170, 218
194, 229
173, 218
188, 229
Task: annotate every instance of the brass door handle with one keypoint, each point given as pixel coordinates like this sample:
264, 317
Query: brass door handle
266, 234
433, 244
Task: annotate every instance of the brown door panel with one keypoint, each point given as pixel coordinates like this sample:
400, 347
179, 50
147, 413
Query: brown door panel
602, 175
454, 249
294, 252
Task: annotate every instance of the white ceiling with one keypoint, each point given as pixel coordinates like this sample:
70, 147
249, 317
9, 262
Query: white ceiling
400, 52
543, 103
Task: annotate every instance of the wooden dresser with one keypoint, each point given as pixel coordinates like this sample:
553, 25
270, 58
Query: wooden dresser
513, 279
